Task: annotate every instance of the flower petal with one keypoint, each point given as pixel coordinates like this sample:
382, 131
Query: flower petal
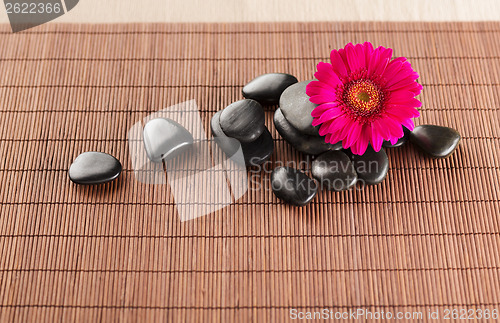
396, 97
363, 140
401, 84
368, 52
325, 97
412, 103
395, 128
376, 139
402, 112
346, 129
326, 74
381, 129
385, 56
352, 58
373, 63
322, 108
353, 135
331, 114
323, 129
338, 64
392, 69
343, 55
402, 76
317, 87
394, 140
409, 124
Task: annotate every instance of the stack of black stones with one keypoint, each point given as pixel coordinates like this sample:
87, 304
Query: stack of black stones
333, 168
243, 123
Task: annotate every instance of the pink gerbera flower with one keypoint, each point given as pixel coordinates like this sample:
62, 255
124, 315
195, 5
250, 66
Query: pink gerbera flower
364, 97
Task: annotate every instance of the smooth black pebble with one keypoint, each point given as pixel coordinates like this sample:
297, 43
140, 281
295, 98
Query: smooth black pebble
243, 120
437, 141
297, 108
334, 170
401, 141
372, 166
254, 153
229, 145
165, 139
267, 88
293, 186
260, 150
312, 145
94, 167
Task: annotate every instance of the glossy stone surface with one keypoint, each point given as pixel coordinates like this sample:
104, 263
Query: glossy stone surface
243, 120
293, 186
312, 145
437, 141
372, 166
229, 145
255, 152
94, 167
297, 108
267, 88
260, 150
334, 170
165, 139
400, 142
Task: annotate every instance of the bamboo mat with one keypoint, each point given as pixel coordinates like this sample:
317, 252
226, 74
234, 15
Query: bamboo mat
427, 238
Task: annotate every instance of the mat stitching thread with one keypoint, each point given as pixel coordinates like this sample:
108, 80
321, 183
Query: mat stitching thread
443, 109
240, 307
242, 271
184, 86
242, 203
263, 236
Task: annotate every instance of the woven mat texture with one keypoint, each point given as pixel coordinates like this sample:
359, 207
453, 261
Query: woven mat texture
428, 237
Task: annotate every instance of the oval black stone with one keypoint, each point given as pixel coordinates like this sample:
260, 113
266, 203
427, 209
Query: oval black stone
267, 88
372, 166
94, 167
293, 186
313, 145
243, 120
165, 139
400, 142
255, 152
334, 170
297, 108
437, 141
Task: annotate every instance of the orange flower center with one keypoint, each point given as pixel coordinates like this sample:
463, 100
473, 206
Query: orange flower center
363, 96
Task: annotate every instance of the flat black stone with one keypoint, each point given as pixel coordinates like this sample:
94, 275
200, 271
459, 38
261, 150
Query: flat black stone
437, 141
297, 108
400, 142
312, 145
372, 166
255, 152
334, 170
243, 120
94, 167
293, 186
165, 139
267, 88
